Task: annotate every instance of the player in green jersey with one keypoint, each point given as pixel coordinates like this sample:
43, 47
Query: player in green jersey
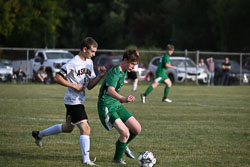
161, 76
111, 111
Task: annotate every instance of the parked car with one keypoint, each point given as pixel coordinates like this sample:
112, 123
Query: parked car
6, 73
234, 78
246, 63
186, 70
110, 61
53, 60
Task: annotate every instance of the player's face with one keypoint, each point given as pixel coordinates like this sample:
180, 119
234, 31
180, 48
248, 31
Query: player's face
131, 66
90, 52
170, 52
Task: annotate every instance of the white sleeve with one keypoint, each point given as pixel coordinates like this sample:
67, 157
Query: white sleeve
66, 69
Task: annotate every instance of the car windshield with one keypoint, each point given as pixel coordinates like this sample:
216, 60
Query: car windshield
6, 62
181, 63
2, 65
234, 65
52, 55
116, 61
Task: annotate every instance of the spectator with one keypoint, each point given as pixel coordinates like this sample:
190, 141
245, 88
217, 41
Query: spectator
210, 62
203, 65
42, 74
226, 66
132, 75
20, 75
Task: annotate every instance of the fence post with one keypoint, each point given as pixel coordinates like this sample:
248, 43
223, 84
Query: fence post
241, 69
27, 65
186, 53
197, 62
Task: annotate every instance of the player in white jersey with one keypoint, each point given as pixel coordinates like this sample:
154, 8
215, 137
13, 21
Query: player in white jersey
77, 75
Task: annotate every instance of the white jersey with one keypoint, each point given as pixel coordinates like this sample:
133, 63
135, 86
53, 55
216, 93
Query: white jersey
77, 71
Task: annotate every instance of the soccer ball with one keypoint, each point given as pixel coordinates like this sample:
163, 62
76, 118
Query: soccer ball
147, 159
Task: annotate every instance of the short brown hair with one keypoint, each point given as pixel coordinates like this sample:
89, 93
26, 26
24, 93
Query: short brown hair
131, 55
88, 42
170, 47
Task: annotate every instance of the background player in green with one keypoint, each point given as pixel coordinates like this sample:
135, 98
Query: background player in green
161, 76
110, 106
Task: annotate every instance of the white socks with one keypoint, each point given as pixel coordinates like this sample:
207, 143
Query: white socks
85, 147
134, 87
51, 130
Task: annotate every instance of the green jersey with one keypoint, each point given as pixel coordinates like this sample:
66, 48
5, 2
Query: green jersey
161, 68
115, 78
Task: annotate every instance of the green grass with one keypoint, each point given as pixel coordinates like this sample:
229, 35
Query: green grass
204, 126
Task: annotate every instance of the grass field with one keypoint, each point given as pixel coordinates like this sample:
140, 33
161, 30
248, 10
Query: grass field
204, 126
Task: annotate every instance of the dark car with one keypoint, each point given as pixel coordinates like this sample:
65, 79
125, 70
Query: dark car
106, 60
110, 61
234, 77
246, 63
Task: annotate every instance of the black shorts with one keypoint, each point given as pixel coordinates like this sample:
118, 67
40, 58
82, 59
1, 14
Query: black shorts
77, 113
132, 75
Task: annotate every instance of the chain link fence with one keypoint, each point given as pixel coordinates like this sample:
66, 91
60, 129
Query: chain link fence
240, 62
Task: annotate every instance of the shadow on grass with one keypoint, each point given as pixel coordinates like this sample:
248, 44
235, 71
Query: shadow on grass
32, 156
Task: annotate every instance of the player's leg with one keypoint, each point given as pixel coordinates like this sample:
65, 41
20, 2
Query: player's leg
122, 141
79, 118
134, 128
150, 89
135, 84
85, 140
133, 77
55, 129
133, 125
168, 84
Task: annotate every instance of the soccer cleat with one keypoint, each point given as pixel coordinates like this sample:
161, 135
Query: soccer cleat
121, 162
129, 153
166, 100
91, 163
38, 140
143, 98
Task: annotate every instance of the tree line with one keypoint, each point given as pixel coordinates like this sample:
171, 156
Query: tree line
208, 25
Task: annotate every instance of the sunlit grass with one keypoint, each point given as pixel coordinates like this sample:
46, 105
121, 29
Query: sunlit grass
204, 126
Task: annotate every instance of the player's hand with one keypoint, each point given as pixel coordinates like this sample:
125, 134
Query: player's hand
102, 70
79, 87
130, 98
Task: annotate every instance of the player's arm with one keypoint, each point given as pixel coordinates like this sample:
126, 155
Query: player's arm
60, 80
170, 66
93, 82
111, 92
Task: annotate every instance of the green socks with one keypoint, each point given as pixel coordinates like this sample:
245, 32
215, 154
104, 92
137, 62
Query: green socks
131, 137
120, 148
149, 90
166, 91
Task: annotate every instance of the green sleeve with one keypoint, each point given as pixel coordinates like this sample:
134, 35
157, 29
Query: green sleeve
112, 78
166, 59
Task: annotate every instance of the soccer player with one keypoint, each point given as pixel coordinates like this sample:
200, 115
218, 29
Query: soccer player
161, 76
111, 111
133, 76
77, 75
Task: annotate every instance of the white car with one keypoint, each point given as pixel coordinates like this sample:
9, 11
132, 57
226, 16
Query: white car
6, 73
186, 70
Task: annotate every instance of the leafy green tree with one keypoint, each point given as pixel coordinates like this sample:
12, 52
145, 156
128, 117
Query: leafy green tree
34, 23
231, 25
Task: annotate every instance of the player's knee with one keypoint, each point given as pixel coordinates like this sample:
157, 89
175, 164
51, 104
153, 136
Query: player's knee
67, 129
85, 130
125, 135
138, 130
